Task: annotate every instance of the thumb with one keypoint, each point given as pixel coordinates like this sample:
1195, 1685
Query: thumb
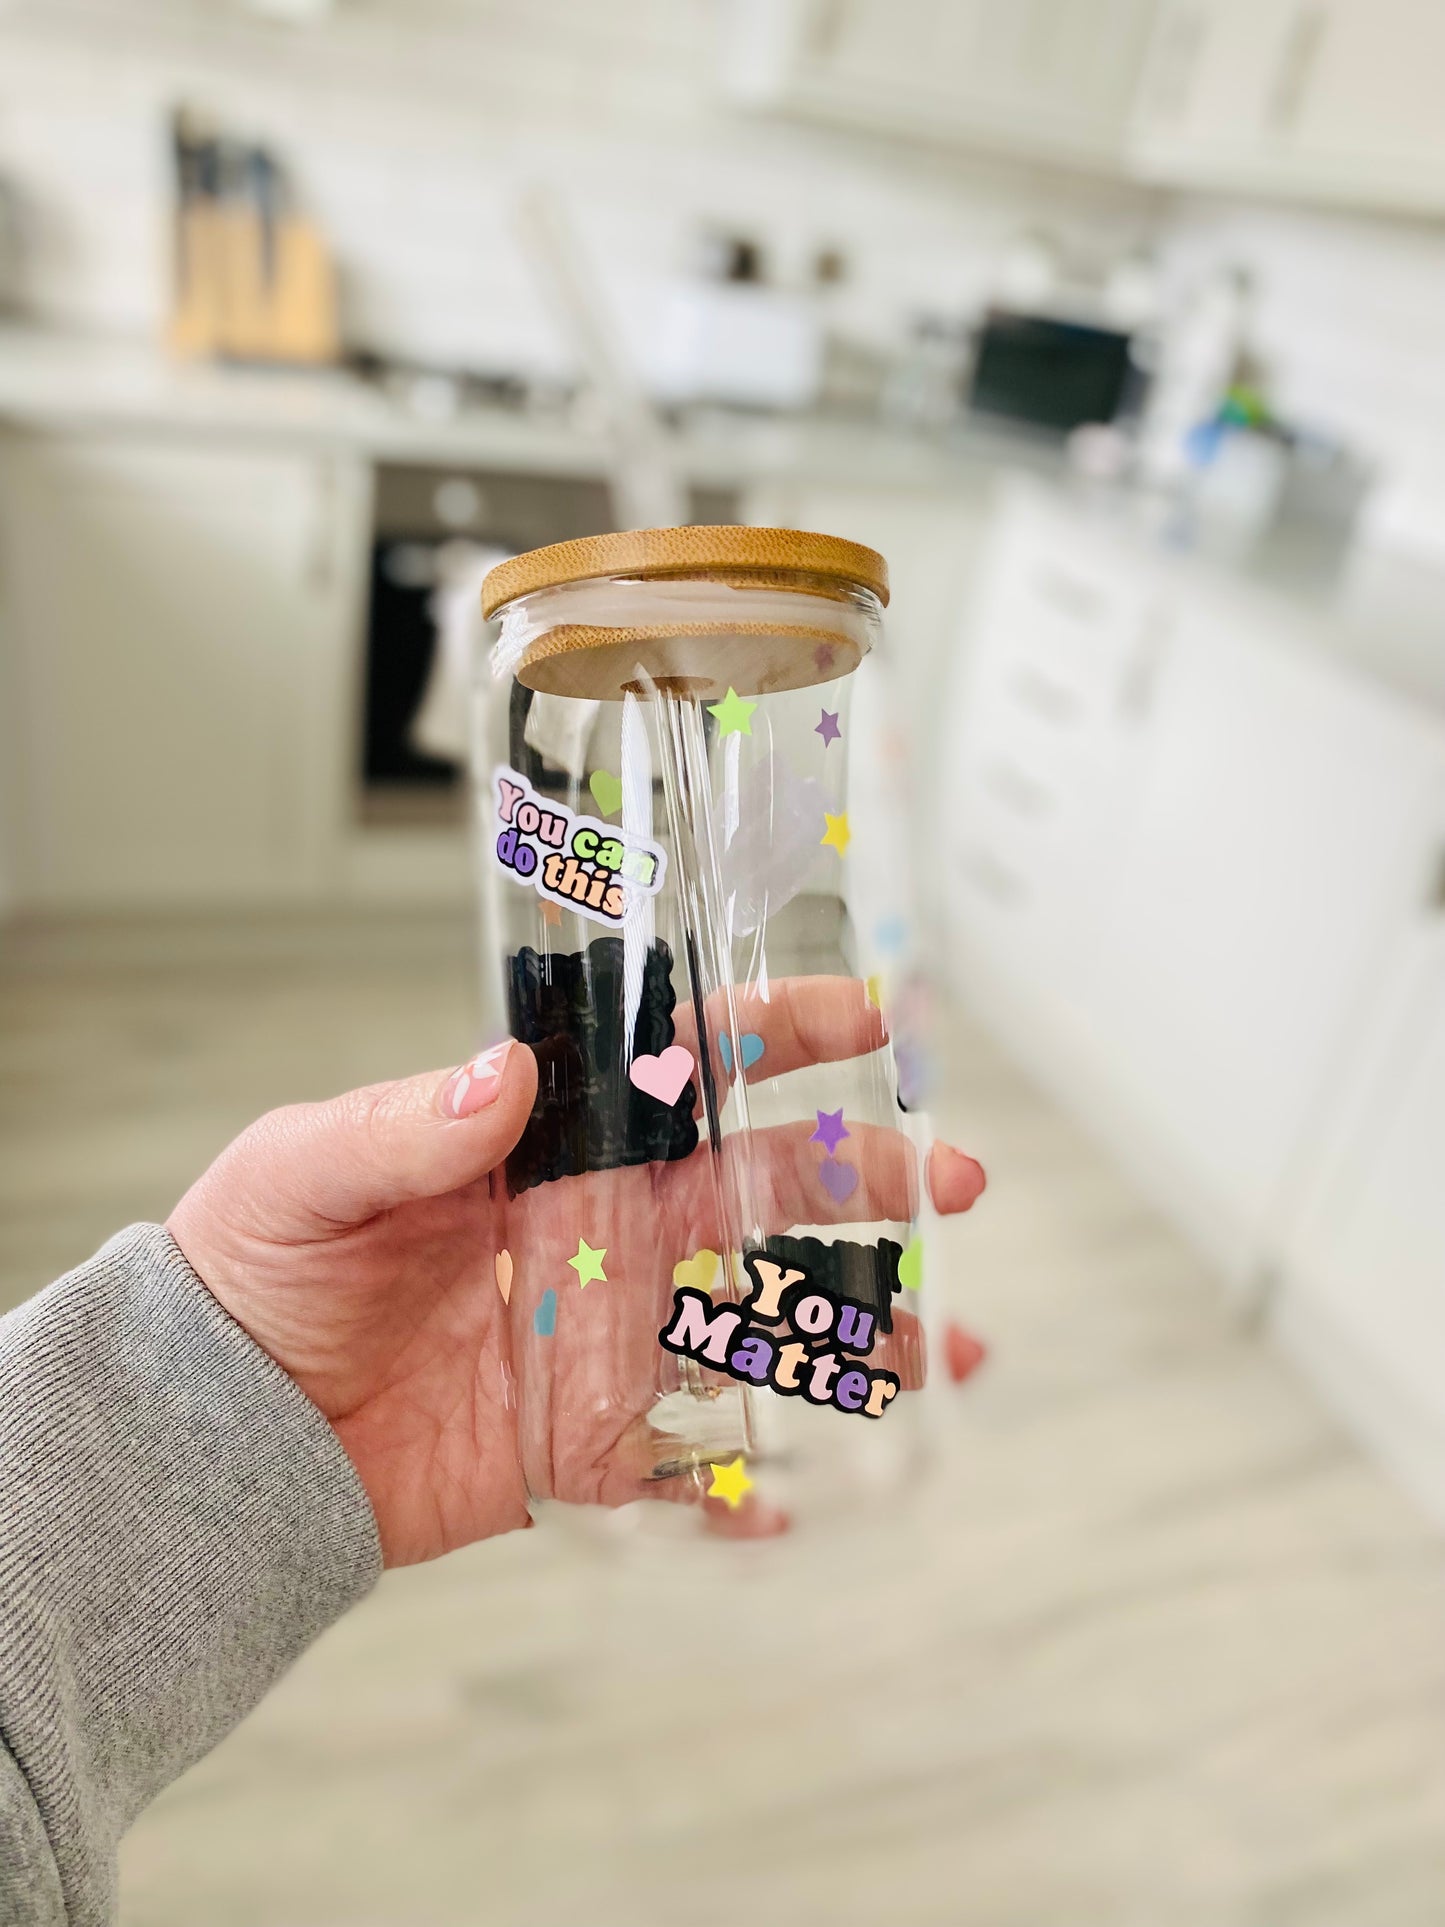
331, 1165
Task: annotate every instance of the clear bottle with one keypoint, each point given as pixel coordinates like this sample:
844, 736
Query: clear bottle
695, 883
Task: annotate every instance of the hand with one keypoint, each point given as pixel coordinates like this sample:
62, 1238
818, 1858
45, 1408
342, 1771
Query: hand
356, 1241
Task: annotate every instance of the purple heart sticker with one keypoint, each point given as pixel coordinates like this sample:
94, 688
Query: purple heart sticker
840, 1179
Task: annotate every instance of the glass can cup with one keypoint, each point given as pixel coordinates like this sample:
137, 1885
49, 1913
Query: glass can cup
694, 867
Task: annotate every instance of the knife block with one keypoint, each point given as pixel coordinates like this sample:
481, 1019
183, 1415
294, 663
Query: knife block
251, 294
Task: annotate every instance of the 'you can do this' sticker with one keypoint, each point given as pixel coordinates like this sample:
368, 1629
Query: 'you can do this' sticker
587, 866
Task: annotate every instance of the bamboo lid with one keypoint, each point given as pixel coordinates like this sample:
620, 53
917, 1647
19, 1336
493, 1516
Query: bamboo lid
682, 552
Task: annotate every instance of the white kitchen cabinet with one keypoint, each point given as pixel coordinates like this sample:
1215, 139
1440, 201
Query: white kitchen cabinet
1365, 117
1181, 840
1334, 100
1362, 1269
1198, 875
180, 626
1323, 99
1206, 100
1272, 846
1048, 711
1044, 77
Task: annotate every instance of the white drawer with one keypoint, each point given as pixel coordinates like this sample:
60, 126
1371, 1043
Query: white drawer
1067, 619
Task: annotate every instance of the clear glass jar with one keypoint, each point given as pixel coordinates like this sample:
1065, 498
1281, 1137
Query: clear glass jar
688, 803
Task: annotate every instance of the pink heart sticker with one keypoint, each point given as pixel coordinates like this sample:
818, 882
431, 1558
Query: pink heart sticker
840, 1179
663, 1077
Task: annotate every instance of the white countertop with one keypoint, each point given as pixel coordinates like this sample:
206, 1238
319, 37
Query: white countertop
1377, 614
1381, 615
52, 381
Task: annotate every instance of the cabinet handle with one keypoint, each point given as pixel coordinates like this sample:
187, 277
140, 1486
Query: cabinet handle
1175, 62
825, 28
1297, 62
1139, 683
1018, 792
992, 879
319, 568
1047, 699
1081, 601
1435, 889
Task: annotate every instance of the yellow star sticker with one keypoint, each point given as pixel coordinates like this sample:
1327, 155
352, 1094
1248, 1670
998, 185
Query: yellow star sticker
837, 834
588, 1264
729, 1483
875, 990
734, 716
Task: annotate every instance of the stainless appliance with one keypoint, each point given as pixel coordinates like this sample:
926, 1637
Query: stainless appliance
419, 512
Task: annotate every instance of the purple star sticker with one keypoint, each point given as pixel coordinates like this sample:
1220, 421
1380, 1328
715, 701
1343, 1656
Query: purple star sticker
827, 727
831, 1131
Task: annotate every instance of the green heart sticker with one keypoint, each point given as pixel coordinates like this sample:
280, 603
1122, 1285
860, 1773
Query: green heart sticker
910, 1265
606, 790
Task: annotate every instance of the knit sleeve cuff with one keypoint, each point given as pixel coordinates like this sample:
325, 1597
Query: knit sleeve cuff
177, 1523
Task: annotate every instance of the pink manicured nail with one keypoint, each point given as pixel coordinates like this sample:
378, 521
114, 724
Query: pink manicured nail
956, 1180
474, 1086
962, 1352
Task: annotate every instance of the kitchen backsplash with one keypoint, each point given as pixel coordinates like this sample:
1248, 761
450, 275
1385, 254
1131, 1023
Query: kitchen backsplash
411, 146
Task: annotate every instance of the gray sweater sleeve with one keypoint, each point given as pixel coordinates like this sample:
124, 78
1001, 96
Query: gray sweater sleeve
177, 1522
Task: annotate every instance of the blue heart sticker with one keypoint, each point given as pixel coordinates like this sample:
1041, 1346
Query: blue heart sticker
544, 1318
752, 1049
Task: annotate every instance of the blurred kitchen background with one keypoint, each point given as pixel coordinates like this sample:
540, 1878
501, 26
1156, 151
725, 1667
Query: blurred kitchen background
1116, 325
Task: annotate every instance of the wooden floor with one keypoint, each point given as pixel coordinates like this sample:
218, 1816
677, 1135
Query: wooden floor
1159, 1650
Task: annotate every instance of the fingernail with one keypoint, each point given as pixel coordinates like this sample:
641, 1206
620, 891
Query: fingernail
474, 1086
966, 1173
962, 1352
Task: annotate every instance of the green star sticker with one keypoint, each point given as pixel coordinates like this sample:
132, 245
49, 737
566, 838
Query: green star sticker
734, 716
588, 1264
